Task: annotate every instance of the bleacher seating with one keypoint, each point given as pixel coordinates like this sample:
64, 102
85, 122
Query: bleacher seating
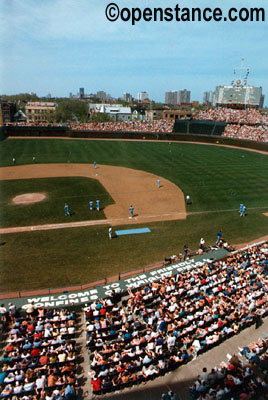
40, 355
167, 323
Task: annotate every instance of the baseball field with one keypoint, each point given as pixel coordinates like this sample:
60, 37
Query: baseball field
217, 179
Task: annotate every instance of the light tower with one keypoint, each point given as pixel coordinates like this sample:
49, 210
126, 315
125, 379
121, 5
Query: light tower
238, 81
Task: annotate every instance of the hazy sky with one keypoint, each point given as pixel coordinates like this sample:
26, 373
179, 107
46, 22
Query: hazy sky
58, 46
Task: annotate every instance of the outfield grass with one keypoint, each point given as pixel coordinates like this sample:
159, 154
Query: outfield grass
217, 178
76, 191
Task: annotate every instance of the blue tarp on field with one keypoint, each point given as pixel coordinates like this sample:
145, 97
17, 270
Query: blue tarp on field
132, 231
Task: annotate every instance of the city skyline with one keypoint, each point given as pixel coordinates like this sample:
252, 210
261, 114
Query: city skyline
57, 47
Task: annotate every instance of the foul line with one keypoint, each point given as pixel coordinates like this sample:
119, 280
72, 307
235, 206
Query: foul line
125, 220
83, 223
227, 210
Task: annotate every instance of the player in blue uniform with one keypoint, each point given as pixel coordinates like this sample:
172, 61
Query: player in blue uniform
219, 237
185, 251
158, 182
98, 205
131, 210
91, 205
241, 208
95, 164
66, 209
243, 213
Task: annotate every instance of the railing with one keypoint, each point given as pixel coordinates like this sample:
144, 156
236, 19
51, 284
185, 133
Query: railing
100, 282
81, 287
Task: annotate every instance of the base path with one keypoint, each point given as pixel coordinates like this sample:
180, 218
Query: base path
126, 186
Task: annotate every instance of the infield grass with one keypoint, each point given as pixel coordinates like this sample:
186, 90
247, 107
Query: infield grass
216, 178
75, 191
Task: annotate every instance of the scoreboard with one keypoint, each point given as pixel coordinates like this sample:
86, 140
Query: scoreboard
238, 95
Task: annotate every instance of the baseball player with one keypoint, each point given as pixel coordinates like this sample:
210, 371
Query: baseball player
131, 210
66, 209
158, 182
95, 164
219, 235
91, 205
98, 205
110, 232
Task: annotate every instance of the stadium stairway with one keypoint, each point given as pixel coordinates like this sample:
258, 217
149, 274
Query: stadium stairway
84, 367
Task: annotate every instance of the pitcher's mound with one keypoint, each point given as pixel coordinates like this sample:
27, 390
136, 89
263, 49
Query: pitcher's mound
28, 198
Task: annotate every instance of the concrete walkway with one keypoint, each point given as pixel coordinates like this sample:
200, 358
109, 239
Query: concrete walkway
180, 379
83, 377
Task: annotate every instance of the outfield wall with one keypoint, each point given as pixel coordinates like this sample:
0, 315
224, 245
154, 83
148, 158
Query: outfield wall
40, 131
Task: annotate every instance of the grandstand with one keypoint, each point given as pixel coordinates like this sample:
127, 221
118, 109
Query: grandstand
242, 376
140, 334
249, 124
40, 355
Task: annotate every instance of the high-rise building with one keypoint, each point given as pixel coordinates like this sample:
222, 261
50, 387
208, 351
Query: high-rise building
81, 93
127, 97
209, 97
171, 97
143, 96
184, 96
101, 95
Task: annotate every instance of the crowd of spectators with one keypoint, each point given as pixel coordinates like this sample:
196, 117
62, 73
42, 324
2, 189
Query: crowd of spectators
39, 359
45, 124
249, 116
241, 124
127, 126
150, 331
247, 132
242, 378
165, 324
